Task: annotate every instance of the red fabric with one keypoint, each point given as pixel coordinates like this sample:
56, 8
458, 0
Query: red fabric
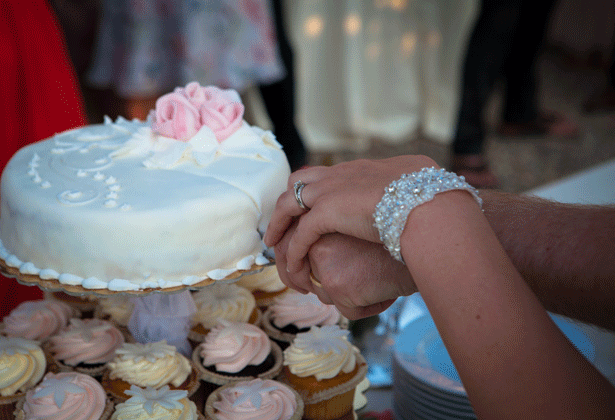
39, 95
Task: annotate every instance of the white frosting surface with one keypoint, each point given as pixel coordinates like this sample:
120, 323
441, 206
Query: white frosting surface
116, 206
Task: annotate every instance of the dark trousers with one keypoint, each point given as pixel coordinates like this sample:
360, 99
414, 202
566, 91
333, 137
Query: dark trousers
504, 45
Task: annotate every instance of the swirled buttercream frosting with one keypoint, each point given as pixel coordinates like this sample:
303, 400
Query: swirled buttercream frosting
322, 352
257, 399
302, 311
89, 341
231, 346
22, 365
118, 308
183, 197
151, 404
267, 280
37, 319
151, 364
222, 301
65, 396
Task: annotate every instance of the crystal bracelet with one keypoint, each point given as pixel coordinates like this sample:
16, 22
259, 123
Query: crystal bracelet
408, 192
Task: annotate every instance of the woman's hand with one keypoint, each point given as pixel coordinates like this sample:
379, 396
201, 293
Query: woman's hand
341, 199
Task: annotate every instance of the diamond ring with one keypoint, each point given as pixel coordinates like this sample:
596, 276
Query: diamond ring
298, 187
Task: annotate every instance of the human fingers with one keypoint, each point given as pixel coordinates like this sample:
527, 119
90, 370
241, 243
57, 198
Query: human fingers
360, 312
292, 281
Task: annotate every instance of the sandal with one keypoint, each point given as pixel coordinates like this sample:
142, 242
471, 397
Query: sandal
475, 170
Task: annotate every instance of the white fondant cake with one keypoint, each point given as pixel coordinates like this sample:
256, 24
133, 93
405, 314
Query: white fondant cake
119, 206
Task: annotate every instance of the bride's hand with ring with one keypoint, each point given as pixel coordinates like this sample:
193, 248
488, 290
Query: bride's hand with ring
340, 198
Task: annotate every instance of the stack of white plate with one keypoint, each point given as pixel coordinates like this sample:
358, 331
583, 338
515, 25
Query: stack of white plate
426, 384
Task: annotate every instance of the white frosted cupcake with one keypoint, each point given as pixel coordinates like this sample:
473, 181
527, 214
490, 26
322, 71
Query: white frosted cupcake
254, 399
118, 310
85, 345
265, 286
221, 301
23, 364
151, 403
294, 313
65, 395
325, 369
236, 351
37, 319
149, 365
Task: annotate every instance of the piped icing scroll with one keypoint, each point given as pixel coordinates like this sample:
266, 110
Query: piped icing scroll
89, 341
151, 404
255, 400
151, 364
223, 301
37, 319
323, 352
22, 365
231, 346
302, 311
64, 396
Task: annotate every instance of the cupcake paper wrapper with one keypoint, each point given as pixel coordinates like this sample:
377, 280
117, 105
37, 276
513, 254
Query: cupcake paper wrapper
211, 415
276, 334
221, 379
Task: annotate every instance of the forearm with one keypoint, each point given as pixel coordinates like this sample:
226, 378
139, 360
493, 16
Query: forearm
504, 346
566, 253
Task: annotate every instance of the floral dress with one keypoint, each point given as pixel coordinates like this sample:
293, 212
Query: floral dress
147, 47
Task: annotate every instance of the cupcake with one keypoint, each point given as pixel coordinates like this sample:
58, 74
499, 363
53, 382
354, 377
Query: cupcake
84, 304
23, 364
235, 351
148, 365
265, 286
254, 399
325, 369
37, 319
221, 301
116, 309
65, 395
85, 346
294, 313
152, 403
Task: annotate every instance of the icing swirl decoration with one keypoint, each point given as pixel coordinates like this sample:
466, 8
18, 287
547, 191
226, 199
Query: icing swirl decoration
223, 301
68, 395
302, 311
22, 365
37, 319
150, 403
256, 399
151, 364
231, 346
322, 352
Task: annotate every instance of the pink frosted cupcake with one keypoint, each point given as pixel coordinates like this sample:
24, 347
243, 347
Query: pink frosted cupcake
236, 351
85, 346
294, 313
37, 319
65, 395
254, 399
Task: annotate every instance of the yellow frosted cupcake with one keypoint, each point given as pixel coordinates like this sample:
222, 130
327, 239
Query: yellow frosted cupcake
37, 319
65, 395
265, 286
116, 309
221, 301
84, 304
23, 364
149, 365
151, 404
254, 399
294, 313
325, 369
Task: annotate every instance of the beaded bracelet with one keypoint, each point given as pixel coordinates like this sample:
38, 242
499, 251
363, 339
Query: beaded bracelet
408, 192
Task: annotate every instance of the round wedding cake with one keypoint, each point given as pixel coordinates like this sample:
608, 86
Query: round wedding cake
180, 200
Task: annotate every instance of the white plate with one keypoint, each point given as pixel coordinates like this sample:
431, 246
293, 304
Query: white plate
419, 350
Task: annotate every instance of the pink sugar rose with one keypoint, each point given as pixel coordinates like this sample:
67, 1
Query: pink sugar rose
176, 117
223, 118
